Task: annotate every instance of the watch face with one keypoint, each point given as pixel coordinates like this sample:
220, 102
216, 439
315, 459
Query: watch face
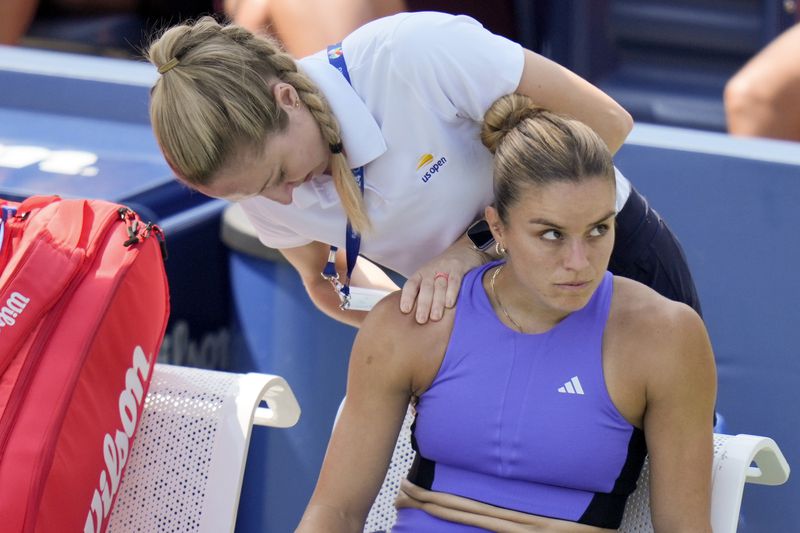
480, 235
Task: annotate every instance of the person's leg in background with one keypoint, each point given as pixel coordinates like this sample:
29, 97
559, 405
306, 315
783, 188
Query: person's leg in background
763, 98
306, 26
15, 17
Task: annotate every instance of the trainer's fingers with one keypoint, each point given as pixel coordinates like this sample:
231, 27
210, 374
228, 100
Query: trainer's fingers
440, 284
453, 286
424, 301
409, 293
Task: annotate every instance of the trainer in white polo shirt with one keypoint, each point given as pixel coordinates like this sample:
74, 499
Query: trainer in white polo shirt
427, 176
421, 83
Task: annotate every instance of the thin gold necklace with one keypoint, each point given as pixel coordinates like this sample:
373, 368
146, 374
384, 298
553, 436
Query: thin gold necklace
497, 298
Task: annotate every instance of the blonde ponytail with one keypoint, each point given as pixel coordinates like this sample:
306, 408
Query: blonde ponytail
349, 193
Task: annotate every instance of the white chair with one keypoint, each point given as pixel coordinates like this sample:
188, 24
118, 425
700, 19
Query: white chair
738, 459
734, 456
185, 469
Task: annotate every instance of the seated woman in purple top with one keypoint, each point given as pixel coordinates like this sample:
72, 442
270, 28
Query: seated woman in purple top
539, 395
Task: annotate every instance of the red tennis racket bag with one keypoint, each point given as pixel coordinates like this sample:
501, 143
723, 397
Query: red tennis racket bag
83, 308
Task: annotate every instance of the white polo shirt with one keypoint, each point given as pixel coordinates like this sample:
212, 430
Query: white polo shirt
421, 85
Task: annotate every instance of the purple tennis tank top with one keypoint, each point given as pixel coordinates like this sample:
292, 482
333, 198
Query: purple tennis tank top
524, 421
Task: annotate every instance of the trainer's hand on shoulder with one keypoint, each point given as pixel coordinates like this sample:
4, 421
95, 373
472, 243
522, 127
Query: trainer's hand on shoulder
435, 285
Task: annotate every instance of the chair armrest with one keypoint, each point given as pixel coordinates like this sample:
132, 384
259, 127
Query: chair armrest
765, 463
282, 410
733, 459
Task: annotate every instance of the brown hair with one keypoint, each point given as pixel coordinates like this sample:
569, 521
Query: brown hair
216, 101
533, 146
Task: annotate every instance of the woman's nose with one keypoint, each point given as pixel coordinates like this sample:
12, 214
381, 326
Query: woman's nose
577, 257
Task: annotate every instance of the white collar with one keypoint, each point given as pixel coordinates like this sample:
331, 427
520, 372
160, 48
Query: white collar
361, 135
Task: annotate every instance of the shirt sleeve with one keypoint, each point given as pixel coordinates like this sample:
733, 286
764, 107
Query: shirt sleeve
270, 232
455, 64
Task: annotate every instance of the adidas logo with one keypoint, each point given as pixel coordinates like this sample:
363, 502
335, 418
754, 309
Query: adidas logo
572, 386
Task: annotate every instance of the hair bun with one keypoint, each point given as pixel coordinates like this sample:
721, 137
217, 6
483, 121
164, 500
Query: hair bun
504, 116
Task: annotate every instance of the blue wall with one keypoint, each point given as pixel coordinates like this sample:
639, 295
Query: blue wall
279, 331
735, 205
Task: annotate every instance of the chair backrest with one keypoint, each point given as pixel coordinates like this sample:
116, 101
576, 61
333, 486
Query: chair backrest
185, 469
738, 459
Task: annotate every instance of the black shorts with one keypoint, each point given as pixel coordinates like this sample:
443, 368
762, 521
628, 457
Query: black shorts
647, 251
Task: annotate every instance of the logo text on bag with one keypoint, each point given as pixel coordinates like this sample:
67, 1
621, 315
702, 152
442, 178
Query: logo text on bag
115, 449
13, 307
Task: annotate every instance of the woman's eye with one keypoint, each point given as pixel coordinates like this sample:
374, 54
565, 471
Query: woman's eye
551, 235
599, 231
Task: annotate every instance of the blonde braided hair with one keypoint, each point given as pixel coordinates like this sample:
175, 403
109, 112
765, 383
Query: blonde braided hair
215, 101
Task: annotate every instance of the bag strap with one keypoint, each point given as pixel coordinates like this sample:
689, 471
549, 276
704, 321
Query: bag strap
52, 240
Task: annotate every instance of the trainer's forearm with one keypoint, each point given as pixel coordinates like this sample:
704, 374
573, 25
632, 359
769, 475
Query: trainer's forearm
327, 300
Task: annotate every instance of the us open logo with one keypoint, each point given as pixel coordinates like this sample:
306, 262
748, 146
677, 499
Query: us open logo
430, 165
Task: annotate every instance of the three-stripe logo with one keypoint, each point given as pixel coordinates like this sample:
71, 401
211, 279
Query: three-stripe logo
573, 386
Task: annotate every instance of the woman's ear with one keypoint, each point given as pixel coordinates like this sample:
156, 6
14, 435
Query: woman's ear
495, 224
285, 96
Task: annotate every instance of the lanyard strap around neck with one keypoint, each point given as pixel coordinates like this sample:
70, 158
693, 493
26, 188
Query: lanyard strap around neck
352, 238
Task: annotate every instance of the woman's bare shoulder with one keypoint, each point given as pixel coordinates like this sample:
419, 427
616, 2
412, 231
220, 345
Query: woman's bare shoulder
640, 306
653, 326
396, 340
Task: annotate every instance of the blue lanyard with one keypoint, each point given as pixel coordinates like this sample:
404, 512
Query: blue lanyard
352, 238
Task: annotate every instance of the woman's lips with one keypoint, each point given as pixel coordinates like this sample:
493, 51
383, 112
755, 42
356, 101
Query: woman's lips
573, 285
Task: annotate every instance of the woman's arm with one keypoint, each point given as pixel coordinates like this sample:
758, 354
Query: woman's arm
309, 261
554, 87
392, 359
680, 396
